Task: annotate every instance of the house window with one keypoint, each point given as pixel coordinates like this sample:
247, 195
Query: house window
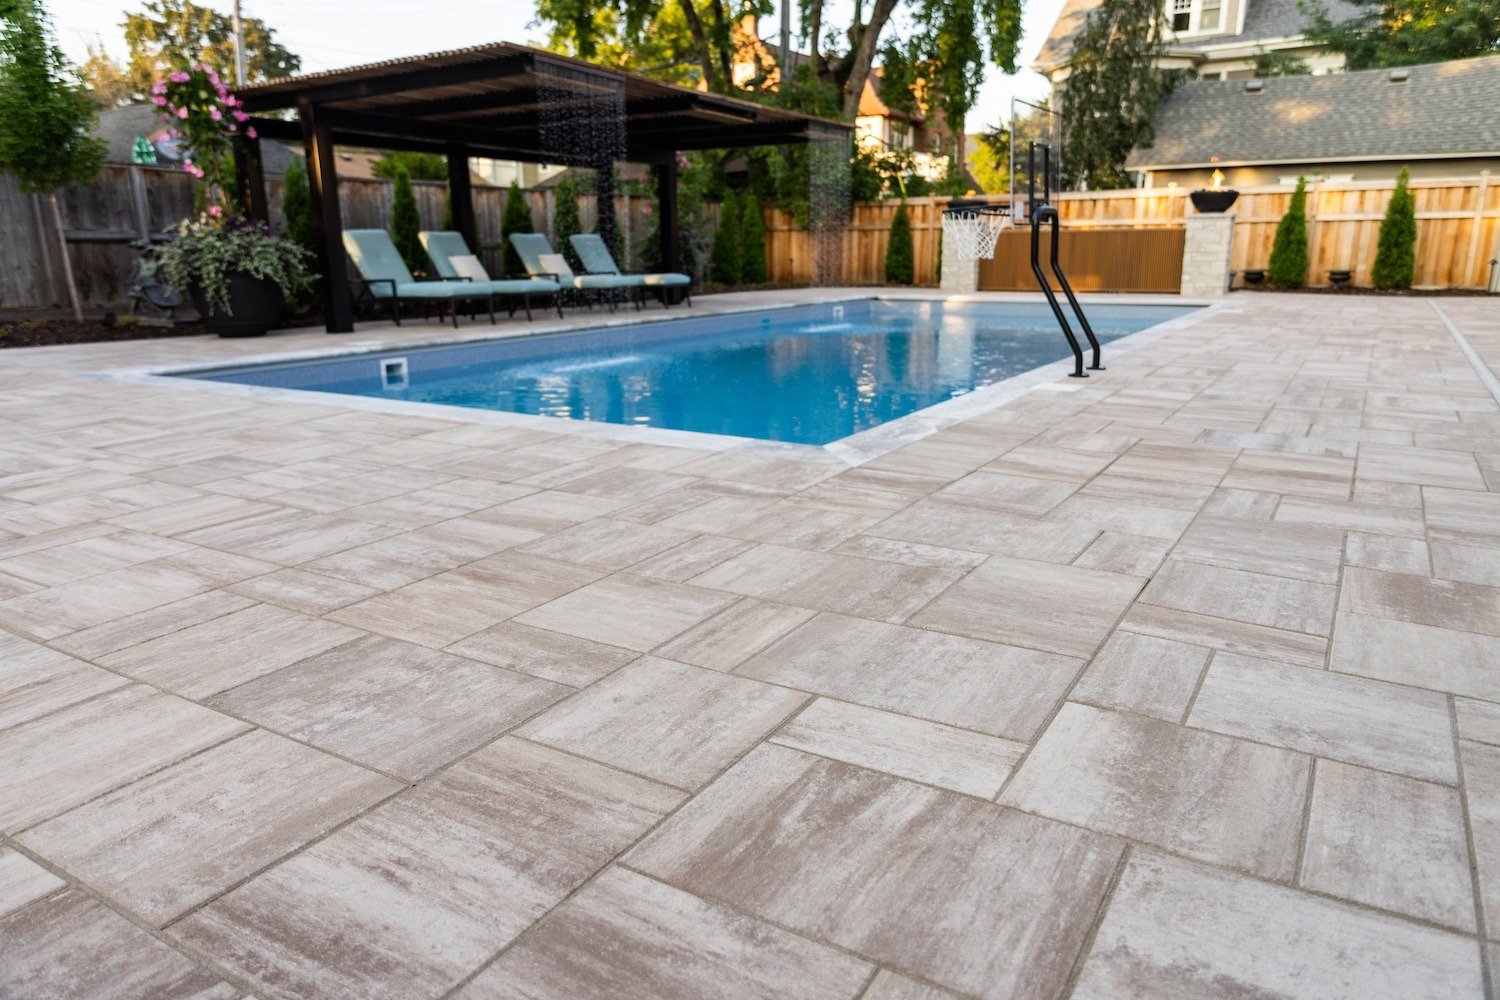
1182, 15
1193, 16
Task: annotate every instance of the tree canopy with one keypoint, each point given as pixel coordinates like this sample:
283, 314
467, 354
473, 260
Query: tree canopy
168, 32
418, 166
46, 115
1407, 32
931, 49
1112, 90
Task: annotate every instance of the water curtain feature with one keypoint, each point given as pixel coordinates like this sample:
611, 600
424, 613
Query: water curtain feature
828, 201
581, 123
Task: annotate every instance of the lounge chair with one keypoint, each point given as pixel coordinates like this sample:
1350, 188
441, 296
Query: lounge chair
532, 247
594, 253
443, 246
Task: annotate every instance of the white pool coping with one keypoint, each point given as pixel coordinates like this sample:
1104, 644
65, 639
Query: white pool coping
854, 450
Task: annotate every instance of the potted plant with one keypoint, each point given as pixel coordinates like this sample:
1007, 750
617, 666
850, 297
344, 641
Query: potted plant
238, 273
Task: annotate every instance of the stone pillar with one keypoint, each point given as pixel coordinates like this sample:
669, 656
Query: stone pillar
958, 275
1205, 255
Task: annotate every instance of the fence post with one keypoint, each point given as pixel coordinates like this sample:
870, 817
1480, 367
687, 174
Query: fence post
44, 245
138, 202
1480, 278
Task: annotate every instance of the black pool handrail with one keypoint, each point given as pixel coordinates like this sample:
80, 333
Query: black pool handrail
1039, 213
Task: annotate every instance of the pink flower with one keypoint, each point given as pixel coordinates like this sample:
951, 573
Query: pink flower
215, 114
159, 101
250, 133
215, 211
179, 77
240, 116
182, 112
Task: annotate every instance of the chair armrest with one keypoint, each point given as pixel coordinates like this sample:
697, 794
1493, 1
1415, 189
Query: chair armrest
369, 282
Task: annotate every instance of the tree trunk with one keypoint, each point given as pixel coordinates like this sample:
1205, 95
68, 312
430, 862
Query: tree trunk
700, 40
864, 55
67, 262
726, 43
814, 41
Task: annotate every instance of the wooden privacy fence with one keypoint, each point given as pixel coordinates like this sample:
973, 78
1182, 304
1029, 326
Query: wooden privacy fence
1458, 231
1095, 260
125, 203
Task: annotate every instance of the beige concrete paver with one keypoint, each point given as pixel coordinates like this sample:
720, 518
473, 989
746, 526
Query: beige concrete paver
1217, 628
626, 935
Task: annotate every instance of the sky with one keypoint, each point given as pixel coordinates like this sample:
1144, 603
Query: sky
329, 34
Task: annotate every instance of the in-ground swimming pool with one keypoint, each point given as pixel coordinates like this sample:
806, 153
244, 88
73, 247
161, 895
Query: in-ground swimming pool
808, 374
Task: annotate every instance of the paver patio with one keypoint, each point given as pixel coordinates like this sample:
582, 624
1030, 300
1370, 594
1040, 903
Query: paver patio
1182, 682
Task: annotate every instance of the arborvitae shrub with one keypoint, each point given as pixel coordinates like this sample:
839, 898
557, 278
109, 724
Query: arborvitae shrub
566, 221
406, 224
726, 260
753, 270
516, 218
296, 205
1288, 268
1396, 251
900, 261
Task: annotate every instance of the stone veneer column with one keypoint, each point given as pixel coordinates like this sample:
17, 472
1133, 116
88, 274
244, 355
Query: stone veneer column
958, 275
1205, 255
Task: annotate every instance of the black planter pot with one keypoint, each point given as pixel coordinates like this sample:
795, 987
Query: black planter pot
1254, 276
1340, 279
1212, 201
255, 305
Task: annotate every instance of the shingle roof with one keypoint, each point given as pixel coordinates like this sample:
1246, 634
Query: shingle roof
1441, 109
1264, 20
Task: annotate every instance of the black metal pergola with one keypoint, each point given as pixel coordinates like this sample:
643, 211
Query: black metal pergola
491, 101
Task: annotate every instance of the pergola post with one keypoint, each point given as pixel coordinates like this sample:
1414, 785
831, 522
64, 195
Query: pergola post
251, 177
604, 204
666, 206
328, 226
461, 195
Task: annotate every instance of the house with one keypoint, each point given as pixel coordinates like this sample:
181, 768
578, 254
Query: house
1441, 120
1210, 39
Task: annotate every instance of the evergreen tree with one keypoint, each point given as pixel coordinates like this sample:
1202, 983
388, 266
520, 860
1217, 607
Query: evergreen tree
753, 269
516, 218
46, 118
566, 221
1112, 91
727, 258
296, 205
406, 223
1405, 32
1396, 251
1288, 268
900, 261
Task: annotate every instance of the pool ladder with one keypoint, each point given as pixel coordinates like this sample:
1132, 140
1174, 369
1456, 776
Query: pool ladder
1046, 213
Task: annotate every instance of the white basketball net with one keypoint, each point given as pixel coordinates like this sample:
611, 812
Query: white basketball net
975, 231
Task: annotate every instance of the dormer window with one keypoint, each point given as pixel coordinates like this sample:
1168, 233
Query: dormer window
1195, 16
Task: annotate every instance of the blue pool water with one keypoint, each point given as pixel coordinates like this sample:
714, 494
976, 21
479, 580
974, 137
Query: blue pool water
810, 374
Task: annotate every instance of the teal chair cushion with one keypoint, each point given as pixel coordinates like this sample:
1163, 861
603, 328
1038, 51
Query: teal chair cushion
594, 254
440, 246
608, 281
667, 280
375, 256
530, 247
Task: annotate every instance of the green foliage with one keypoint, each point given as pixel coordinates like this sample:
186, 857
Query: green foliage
728, 254
1288, 267
516, 218
1278, 63
406, 223
1396, 249
205, 252
900, 260
106, 79
296, 205
990, 163
167, 34
46, 115
1112, 91
1406, 32
418, 166
566, 221
753, 269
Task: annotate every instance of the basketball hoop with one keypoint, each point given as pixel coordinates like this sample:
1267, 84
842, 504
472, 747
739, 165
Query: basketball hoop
975, 229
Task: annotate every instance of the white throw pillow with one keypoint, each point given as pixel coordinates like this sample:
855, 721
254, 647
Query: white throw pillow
556, 263
468, 266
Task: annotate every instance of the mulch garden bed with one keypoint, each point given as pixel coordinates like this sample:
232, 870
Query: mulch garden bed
49, 332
